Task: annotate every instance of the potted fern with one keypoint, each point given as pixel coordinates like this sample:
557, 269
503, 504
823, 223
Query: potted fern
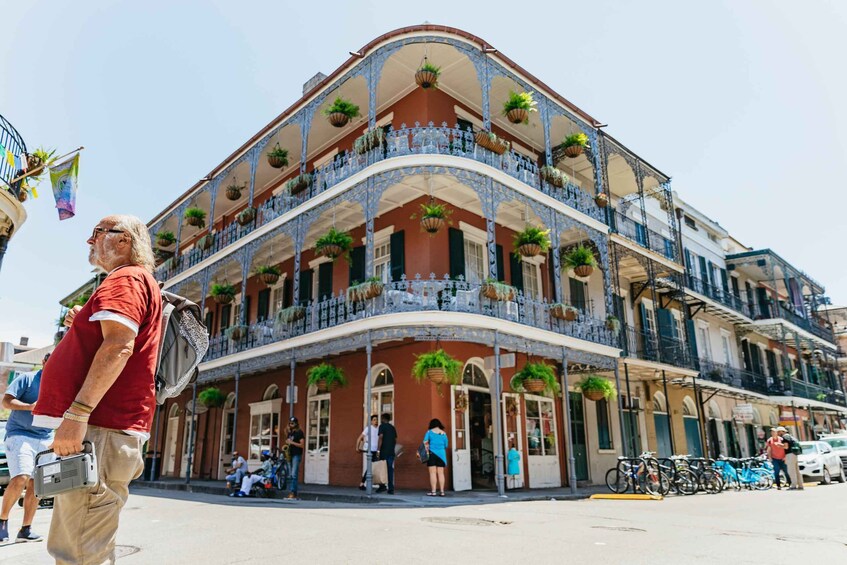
333, 244
371, 139
246, 216
535, 377
427, 75
222, 293
601, 199
298, 184
268, 274
595, 387
325, 377
206, 242
494, 290
340, 112
433, 216
581, 259
360, 292
233, 191
438, 366
278, 157
491, 141
553, 175
211, 397
195, 217
531, 241
575, 144
518, 106
564, 312
613, 324
291, 314
236, 332
165, 238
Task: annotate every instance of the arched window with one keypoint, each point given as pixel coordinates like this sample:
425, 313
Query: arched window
382, 391
383, 377
757, 417
773, 419
714, 411
474, 375
271, 393
174, 411
659, 404
688, 407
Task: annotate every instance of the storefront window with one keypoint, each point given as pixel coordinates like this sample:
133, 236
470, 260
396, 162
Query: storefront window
264, 424
540, 427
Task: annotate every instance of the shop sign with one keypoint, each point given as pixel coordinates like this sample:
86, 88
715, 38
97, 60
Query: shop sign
743, 413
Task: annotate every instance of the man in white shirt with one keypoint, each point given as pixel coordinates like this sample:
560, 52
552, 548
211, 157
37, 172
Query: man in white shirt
369, 441
237, 471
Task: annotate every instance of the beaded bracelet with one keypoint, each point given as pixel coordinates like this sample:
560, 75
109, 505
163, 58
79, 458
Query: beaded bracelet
68, 415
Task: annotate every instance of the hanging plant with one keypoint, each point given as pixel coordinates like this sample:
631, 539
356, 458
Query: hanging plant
461, 402
511, 406
531, 241
223, 293
233, 191
601, 199
433, 216
333, 244
579, 258
206, 242
491, 141
371, 139
535, 377
236, 333
195, 217
437, 366
564, 312
269, 274
246, 216
291, 314
165, 238
595, 387
575, 144
494, 290
341, 111
211, 397
427, 75
613, 324
325, 377
518, 106
360, 292
277, 157
298, 184
553, 175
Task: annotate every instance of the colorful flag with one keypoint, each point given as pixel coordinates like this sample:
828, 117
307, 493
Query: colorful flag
23, 162
10, 158
64, 180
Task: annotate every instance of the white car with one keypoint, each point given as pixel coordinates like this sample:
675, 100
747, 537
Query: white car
819, 462
838, 443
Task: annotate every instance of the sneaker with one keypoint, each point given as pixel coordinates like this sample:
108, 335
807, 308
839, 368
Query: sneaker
391, 492
382, 488
4, 531
291, 496
26, 535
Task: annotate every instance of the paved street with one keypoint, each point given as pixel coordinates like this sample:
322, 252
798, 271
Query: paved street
745, 527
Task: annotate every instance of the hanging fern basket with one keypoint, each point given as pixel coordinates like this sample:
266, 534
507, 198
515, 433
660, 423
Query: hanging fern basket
269, 278
529, 250
223, 298
332, 251
561, 313
432, 224
246, 217
593, 394
338, 119
206, 242
233, 192
436, 374
276, 161
601, 200
533, 385
583, 271
484, 140
573, 151
322, 386
426, 79
517, 115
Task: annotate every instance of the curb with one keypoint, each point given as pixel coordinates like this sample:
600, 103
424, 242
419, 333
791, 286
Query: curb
626, 497
223, 491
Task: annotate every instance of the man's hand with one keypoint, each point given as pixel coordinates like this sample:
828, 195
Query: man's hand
69, 436
69, 317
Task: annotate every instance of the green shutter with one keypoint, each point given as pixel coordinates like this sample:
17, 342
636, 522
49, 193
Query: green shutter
667, 335
357, 265
501, 270
306, 286
704, 272
724, 281
577, 289
263, 305
287, 291
516, 271
756, 359
457, 253
210, 320
745, 354
245, 311
226, 309
398, 255
325, 280
692, 343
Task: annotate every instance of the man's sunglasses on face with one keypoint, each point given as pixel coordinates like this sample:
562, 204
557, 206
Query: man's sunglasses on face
98, 230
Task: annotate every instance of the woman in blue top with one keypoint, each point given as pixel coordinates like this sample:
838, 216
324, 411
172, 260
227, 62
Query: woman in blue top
436, 442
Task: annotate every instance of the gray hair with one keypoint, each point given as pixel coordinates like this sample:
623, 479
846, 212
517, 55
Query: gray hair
141, 252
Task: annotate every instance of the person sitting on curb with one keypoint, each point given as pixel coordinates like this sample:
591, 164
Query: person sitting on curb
258, 476
236, 473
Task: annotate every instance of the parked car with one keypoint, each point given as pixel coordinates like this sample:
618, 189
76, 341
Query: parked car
819, 462
838, 443
4, 465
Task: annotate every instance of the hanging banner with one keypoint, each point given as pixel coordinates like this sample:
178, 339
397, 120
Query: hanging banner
64, 180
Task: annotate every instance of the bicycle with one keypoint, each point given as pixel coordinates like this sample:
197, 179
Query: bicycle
681, 478
640, 473
709, 480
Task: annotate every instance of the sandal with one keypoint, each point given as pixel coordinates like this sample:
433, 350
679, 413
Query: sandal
441, 494
431, 493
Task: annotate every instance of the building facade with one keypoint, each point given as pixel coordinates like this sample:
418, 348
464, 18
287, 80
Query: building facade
12, 213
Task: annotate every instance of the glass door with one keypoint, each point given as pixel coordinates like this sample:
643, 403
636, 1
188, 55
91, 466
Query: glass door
461, 441
542, 443
513, 438
317, 441
580, 450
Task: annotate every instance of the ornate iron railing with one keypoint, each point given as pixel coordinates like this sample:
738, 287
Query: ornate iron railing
12, 141
811, 391
738, 378
648, 345
720, 294
642, 235
779, 310
409, 295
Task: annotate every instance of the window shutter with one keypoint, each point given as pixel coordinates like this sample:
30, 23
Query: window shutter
577, 289
457, 253
771, 359
745, 354
724, 281
755, 359
225, 314
398, 255
667, 335
245, 309
305, 287
324, 280
357, 265
501, 270
263, 305
704, 273
287, 291
516, 271
692, 343
210, 319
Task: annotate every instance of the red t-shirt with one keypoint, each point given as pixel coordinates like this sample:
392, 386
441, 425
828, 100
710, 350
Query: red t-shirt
777, 448
131, 292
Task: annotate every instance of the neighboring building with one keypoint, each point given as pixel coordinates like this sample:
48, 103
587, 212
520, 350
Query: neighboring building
428, 148
10, 364
12, 213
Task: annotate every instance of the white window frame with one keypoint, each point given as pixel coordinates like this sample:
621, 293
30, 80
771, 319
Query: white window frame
279, 287
764, 359
478, 236
382, 237
726, 345
259, 409
534, 263
706, 347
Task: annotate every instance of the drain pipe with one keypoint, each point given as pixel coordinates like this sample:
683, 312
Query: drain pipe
498, 433
369, 482
566, 406
191, 433
152, 476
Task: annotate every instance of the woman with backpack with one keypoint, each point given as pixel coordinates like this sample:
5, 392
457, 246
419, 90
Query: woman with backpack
792, 449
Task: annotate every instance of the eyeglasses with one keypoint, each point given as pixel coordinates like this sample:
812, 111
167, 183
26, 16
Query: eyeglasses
98, 230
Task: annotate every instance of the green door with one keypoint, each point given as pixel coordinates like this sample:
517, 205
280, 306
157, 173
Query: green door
580, 450
633, 435
732, 447
692, 437
751, 439
663, 434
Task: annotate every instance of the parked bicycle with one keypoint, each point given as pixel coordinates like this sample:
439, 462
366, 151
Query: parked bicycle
641, 474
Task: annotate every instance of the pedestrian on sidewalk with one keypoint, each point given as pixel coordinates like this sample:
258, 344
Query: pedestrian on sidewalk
776, 452
792, 450
514, 466
23, 442
257, 476
436, 443
236, 471
386, 449
368, 442
296, 442
99, 386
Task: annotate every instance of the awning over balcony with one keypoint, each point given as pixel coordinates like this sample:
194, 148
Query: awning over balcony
801, 402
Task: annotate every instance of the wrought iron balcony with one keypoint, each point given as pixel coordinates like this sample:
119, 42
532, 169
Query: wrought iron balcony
811, 391
720, 295
648, 345
738, 378
781, 310
412, 295
642, 235
417, 140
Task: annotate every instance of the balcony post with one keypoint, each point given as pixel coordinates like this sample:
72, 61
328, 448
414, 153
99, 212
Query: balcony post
598, 154
633, 427
668, 415
370, 212
179, 212
254, 162
246, 259
191, 432
566, 408
700, 421
803, 368
235, 406
620, 402
555, 247
290, 397
372, 78
369, 454
213, 196
786, 362
305, 125
545, 122
486, 91
298, 248
639, 179
496, 416
489, 210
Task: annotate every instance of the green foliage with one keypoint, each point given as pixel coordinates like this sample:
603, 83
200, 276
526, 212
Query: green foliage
166, 237
550, 173
595, 382
40, 156
438, 359
325, 372
362, 291
334, 237
503, 291
290, 315
219, 289
197, 213
211, 397
613, 324
299, 179
343, 106
433, 209
532, 234
577, 257
279, 153
371, 139
540, 371
268, 270
429, 67
821, 397
495, 139
520, 101
576, 139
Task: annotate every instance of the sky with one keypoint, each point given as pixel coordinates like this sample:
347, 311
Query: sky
741, 103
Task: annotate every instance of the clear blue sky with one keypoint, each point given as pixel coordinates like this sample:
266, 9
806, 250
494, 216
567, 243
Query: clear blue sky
742, 103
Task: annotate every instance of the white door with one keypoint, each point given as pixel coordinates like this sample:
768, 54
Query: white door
186, 444
227, 425
512, 436
461, 441
317, 441
170, 445
542, 443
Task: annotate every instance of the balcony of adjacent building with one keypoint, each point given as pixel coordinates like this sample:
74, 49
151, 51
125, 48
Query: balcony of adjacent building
12, 192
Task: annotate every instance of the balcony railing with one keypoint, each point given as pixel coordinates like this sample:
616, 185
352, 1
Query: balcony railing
417, 140
816, 392
719, 294
642, 235
648, 345
780, 310
738, 378
413, 295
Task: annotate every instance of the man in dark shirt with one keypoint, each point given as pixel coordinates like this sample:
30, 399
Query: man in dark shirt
385, 452
296, 441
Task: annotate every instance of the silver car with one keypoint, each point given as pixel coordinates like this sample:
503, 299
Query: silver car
819, 462
838, 443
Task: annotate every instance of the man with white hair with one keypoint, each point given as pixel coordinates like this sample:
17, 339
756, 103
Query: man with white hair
99, 386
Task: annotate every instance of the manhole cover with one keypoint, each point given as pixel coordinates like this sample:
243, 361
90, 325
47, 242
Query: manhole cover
618, 528
125, 550
459, 521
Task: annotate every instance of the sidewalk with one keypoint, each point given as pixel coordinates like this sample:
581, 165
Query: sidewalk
325, 493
